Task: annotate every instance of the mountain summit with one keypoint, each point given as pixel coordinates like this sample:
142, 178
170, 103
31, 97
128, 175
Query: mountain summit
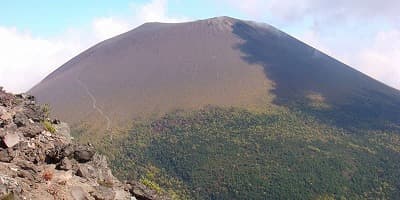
159, 67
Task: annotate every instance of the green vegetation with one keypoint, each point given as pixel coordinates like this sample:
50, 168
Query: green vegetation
152, 185
49, 126
46, 123
232, 153
46, 110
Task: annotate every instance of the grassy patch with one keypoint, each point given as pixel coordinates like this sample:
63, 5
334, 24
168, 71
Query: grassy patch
49, 126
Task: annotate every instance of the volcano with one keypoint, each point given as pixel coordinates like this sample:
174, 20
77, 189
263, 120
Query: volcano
222, 61
309, 125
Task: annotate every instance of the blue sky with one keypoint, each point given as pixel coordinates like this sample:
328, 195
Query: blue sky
39, 36
48, 18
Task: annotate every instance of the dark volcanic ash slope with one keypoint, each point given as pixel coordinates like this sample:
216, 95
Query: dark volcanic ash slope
156, 68
221, 61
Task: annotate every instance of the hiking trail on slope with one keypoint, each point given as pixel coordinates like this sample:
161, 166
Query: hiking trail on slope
94, 103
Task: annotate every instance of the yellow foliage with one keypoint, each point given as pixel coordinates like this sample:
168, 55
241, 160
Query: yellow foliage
49, 126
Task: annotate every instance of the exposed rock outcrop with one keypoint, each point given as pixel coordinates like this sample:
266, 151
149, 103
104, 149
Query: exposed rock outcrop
38, 159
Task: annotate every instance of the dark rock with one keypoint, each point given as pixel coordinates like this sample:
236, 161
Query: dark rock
54, 155
31, 97
6, 99
68, 151
103, 193
86, 171
26, 174
20, 120
65, 164
31, 131
35, 113
56, 121
84, 153
2, 134
3, 122
5, 156
25, 165
141, 192
21, 96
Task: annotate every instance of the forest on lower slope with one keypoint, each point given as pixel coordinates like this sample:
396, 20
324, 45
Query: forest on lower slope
233, 153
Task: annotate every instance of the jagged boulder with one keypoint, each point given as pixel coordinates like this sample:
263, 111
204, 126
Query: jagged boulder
20, 119
65, 164
11, 139
141, 192
84, 153
103, 193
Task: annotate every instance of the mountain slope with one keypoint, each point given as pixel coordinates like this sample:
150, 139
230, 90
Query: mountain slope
153, 69
157, 68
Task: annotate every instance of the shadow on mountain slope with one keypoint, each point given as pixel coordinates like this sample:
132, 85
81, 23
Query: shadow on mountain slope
317, 84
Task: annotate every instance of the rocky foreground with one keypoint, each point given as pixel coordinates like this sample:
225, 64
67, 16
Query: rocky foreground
39, 160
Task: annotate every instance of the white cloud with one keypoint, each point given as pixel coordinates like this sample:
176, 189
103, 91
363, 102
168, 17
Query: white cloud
378, 58
313, 39
107, 27
381, 59
361, 33
25, 59
298, 9
155, 11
